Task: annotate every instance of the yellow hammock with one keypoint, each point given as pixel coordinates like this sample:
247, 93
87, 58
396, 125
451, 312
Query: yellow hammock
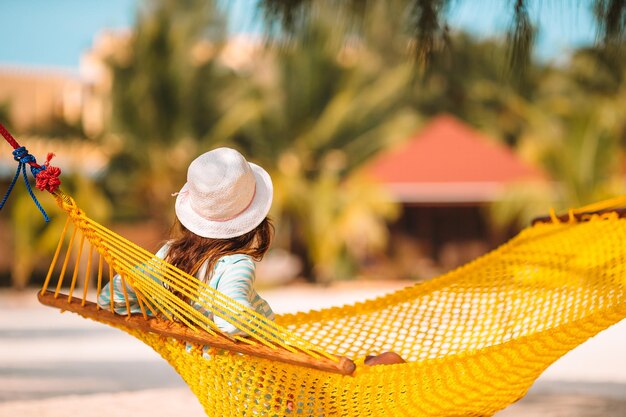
475, 338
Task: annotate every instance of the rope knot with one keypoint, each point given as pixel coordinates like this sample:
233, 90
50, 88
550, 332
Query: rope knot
48, 179
37, 169
46, 176
22, 156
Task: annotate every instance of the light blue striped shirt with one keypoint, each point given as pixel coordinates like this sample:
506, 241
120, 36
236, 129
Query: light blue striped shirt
233, 275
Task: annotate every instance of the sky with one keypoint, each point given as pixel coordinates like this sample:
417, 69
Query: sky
55, 33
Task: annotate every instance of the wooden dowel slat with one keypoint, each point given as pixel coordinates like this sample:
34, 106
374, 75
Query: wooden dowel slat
583, 216
168, 328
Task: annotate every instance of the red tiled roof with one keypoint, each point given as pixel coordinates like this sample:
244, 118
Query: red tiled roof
448, 161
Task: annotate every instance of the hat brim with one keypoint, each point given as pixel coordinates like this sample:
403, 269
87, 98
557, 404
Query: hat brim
243, 223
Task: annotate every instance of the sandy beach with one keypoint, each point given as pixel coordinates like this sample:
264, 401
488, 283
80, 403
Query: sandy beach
54, 365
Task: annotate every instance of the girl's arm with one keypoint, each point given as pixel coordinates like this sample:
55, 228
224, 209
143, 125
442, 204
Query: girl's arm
236, 282
124, 299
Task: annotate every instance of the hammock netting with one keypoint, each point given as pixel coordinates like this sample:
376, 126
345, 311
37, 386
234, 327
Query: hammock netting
475, 339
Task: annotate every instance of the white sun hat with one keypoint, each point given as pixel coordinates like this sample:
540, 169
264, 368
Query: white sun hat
225, 196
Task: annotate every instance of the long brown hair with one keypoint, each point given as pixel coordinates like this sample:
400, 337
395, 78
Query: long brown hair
189, 251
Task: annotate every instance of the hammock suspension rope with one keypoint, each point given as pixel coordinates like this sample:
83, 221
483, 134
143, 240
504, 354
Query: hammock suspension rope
46, 176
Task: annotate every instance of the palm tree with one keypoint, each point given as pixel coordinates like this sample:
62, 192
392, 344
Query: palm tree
324, 110
575, 129
425, 22
165, 98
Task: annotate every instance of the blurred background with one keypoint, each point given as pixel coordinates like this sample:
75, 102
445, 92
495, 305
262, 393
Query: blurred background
404, 137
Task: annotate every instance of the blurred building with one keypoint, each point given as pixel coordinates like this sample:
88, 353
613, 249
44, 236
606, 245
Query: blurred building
444, 178
37, 96
97, 78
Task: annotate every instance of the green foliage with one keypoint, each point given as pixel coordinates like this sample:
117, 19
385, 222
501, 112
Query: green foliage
611, 15
165, 100
5, 113
575, 129
325, 111
159, 79
424, 21
521, 38
312, 112
34, 240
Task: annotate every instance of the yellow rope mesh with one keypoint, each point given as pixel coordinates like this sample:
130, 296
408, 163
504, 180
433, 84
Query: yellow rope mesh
475, 338
146, 274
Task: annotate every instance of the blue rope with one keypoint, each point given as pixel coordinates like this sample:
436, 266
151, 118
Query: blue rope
37, 170
22, 156
6, 196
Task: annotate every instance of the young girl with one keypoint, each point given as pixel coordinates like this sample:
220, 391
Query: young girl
222, 230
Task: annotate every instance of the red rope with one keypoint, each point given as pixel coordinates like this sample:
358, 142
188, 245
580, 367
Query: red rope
47, 177
8, 137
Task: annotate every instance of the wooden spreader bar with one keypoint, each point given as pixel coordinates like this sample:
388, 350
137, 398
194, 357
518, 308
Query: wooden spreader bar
581, 217
178, 331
